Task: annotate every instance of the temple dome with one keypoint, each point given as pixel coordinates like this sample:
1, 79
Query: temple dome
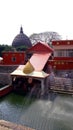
21, 40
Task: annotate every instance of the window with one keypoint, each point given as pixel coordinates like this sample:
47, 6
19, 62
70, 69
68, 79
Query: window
63, 53
59, 53
70, 53
13, 59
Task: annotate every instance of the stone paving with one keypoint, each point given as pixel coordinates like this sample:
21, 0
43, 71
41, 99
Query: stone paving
5, 125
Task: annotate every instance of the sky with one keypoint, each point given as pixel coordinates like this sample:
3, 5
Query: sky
35, 16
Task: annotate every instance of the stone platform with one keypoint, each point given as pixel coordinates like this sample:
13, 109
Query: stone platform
5, 125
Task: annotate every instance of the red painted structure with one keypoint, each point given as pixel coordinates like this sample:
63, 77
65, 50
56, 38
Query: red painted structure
13, 58
41, 54
34, 68
38, 60
5, 90
40, 47
62, 51
63, 55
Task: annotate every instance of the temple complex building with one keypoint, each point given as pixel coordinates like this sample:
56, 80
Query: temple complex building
61, 57
63, 54
17, 57
21, 40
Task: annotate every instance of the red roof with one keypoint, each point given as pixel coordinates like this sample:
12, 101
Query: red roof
41, 47
38, 60
62, 42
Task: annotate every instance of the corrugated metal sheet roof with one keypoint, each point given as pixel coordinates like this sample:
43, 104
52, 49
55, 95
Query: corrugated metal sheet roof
38, 60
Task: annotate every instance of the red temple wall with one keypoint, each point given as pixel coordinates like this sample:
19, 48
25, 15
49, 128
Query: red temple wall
64, 58
13, 58
61, 65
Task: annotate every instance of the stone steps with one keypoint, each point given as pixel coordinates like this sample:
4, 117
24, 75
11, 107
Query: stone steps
6, 125
60, 83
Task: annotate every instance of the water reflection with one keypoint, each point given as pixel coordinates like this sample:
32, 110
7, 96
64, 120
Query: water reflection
61, 116
54, 113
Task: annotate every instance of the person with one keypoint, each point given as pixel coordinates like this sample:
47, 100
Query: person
33, 87
29, 84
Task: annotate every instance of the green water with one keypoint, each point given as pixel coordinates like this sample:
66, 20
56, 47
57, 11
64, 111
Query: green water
53, 113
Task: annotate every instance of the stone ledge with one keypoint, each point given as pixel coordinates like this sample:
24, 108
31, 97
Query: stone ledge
6, 125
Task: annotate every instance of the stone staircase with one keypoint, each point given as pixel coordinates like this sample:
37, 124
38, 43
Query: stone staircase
5, 71
7, 68
59, 83
5, 79
64, 73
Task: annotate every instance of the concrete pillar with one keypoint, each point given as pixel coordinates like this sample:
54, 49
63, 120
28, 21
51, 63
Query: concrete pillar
42, 86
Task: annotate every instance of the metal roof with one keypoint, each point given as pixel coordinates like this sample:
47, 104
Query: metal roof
38, 60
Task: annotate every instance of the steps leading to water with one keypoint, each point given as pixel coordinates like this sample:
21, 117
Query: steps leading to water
6, 125
60, 84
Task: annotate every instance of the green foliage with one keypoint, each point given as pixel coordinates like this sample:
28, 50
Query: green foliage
5, 48
21, 48
10, 48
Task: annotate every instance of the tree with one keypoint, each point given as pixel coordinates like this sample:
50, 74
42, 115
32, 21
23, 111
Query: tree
5, 48
46, 37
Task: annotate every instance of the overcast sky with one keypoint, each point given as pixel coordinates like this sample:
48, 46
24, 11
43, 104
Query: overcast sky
35, 16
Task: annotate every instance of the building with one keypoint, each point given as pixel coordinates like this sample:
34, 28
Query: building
62, 62
13, 58
17, 57
21, 40
61, 58
34, 68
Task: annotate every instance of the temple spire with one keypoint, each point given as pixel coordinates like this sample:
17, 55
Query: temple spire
21, 29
